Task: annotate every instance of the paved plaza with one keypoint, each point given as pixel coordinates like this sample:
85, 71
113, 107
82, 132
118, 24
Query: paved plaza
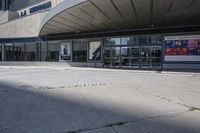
88, 100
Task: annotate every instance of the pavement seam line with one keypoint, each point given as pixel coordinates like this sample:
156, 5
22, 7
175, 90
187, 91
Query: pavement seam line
90, 104
167, 99
128, 122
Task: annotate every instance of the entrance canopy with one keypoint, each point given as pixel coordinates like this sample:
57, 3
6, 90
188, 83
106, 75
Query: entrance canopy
87, 16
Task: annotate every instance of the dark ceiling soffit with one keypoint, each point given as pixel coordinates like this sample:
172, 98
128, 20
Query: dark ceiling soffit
161, 30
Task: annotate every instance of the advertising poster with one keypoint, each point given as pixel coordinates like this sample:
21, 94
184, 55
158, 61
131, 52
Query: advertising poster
65, 51
95, 50
182, 48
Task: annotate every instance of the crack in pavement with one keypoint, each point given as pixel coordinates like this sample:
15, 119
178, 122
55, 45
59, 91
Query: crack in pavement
90, 104
190, 108
112, 125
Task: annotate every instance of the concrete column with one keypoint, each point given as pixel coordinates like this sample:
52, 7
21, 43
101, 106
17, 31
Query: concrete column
2, 52
3, 5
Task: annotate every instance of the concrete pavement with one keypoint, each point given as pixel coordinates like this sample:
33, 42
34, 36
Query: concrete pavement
73, 100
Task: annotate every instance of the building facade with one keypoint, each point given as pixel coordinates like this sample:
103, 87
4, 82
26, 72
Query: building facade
128, 34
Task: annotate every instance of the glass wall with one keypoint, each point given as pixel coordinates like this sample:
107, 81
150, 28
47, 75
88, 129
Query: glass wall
50, 51
0, 52
19, 52
8, 51
44, 51
133, 52
32, 51
79, 50
53, 50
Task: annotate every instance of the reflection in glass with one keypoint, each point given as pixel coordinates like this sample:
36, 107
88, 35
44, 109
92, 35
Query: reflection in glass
155, 39
125, 41
44, 56
125, 52
145, 61
125, 56
0, 52
8, 52
135, 52
53, 51
19, 52
79, 50
135, 62
134, 40
107, 56
32, 51
145, 54
143, 40
156, 52
112, 41
115, 56
156, 56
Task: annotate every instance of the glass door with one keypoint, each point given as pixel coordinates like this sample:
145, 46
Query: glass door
135, 57
115, 57
107, 56
112, 57
79, 51
145, 57
156, 54
125, 57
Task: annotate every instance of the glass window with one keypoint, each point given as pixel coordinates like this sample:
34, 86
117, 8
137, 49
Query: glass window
44, 53
155, 39
135, 52
8, 52
107, 56
145, 52
156, 52
135, 62
79, 50
32, 51
53, 51
0, 52
134, 40
107, 53
125, 52
112, 41
143, 40
19, 52
125, 41
94, 50
130, 40
115, 56
116, 52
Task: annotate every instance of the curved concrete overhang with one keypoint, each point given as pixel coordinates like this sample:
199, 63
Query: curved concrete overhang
54, 14
88, 16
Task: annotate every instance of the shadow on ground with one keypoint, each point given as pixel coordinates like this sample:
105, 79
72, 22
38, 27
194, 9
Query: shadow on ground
24, 109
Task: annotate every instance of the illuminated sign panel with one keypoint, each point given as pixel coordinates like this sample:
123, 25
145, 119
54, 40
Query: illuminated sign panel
182, 48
